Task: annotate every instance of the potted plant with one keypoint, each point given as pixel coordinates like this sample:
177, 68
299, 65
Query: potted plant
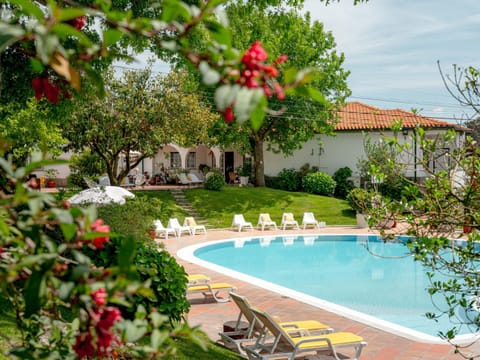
50, 175
360, 200
243, 173
151, 231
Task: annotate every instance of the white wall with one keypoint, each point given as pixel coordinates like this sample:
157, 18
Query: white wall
328, 153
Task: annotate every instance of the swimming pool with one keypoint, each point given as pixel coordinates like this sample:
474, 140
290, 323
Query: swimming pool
337, 273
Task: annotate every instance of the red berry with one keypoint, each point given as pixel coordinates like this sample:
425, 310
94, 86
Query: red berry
79, 22
228, 115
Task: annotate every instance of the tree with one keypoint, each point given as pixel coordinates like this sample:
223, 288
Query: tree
291, 122
436, 213
382, 167
139, 115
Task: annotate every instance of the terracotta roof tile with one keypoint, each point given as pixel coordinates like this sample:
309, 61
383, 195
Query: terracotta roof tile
359, 116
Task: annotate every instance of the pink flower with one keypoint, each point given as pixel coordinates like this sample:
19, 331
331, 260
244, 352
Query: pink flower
99, 226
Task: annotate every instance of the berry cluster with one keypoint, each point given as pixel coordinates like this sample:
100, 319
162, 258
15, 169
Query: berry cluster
43, 87
98, 338
254, 73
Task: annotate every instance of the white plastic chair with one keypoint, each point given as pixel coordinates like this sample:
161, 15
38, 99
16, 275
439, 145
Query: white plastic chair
161, 230
309, 219
264, 220
239, 221
179, 229
289, 220
194, 227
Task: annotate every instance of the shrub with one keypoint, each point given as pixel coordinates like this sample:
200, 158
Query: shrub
344, 185
85, 165
135, 216
290, 180
214, 181
167, 278
272, 182
319, 183
359, 200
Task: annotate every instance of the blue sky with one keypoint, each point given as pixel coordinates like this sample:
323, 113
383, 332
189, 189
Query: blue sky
392, 47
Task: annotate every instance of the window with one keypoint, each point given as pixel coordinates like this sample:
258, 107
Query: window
175, 161
191, 160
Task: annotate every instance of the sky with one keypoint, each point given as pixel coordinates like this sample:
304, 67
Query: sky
392, 47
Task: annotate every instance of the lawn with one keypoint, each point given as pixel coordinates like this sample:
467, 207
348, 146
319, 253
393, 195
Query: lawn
218, 207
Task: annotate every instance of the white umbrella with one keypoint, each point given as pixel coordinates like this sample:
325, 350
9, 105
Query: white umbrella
117, 190
101, 196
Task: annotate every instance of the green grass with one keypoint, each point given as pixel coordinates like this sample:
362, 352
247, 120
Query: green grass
167, 199
218, 207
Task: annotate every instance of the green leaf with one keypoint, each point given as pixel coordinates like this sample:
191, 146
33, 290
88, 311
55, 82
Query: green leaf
30, 260
34, 292
64, 31
209, 75
224, 95
70, 13
111, 36
9, 34
158, 319
134, 332
65, 289
219, 33
126, 253
311, 93
258, 114
30, 8
158, 338
246, 100
69, 231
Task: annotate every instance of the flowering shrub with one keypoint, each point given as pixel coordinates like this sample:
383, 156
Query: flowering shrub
66, 307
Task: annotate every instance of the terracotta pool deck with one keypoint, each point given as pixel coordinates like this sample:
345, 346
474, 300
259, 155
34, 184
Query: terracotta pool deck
211, 316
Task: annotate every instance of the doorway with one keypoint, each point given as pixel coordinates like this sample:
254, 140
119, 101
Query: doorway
229, 164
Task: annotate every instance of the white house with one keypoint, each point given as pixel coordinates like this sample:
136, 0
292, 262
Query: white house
328, 153
355, 120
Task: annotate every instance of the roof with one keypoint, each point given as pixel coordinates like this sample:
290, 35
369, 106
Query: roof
359, 116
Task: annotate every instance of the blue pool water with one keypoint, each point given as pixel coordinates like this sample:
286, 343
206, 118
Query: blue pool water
337, 270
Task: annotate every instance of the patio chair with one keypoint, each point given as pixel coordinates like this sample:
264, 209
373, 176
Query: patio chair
183, 180
264, 220
194, 179
289, 220
196, 279
211, 290
140, 180
286, 346
240, 223
160, 230
192, 224
241, 334
309, 219
179, 229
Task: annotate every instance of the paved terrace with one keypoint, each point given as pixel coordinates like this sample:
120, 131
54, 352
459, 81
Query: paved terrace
210, 316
